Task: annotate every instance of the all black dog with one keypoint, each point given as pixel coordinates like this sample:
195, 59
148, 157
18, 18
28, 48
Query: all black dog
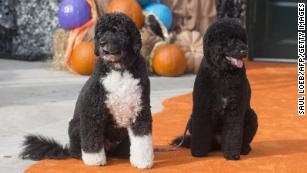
112, 114
222, 117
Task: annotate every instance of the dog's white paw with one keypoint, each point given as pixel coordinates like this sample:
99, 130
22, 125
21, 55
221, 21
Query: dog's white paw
141, 151
94, 159
145, 162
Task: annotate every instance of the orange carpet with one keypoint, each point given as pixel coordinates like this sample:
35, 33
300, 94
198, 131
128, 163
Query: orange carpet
279, 146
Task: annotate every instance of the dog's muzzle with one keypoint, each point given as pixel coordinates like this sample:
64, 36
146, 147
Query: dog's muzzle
238, 62
111, 58
111, 54
235, 62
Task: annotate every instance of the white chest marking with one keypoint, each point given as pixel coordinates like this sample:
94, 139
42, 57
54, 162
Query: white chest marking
123, 96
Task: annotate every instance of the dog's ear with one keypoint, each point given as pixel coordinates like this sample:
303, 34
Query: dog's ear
136, 40
96, 51
99, 30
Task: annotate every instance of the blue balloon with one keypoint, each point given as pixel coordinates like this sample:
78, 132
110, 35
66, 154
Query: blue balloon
144, 2
163, 13
73, 13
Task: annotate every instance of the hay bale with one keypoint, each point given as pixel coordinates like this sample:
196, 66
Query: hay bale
60, 40
149, 39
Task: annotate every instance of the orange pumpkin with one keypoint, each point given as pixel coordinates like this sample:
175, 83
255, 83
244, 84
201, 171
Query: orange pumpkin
169, 60
129, 7
83, 59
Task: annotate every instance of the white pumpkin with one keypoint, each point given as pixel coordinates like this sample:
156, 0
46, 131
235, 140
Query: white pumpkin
192, 45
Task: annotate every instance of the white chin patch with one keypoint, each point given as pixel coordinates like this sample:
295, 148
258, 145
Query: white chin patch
141, 150
94, 159
123, 96
117, 65
235, 62
113, 61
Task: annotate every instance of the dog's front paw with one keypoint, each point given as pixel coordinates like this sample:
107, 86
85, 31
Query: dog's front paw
94, 159
230, 155
199, 154
144, 161
141, 150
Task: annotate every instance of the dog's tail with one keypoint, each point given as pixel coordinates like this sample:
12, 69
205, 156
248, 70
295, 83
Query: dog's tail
182, 141
39, 147
186, 142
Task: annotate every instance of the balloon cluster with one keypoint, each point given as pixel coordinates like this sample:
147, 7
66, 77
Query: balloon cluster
73, 15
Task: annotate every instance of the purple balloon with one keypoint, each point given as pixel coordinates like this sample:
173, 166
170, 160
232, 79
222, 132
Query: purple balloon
73, 13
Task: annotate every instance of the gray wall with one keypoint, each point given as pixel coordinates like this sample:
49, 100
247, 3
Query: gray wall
26, 28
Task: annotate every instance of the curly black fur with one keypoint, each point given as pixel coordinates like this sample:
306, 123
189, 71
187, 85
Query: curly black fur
231, 9
221, 97
117, 47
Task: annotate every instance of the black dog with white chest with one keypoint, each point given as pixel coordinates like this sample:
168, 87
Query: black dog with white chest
222, 117
112, 114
